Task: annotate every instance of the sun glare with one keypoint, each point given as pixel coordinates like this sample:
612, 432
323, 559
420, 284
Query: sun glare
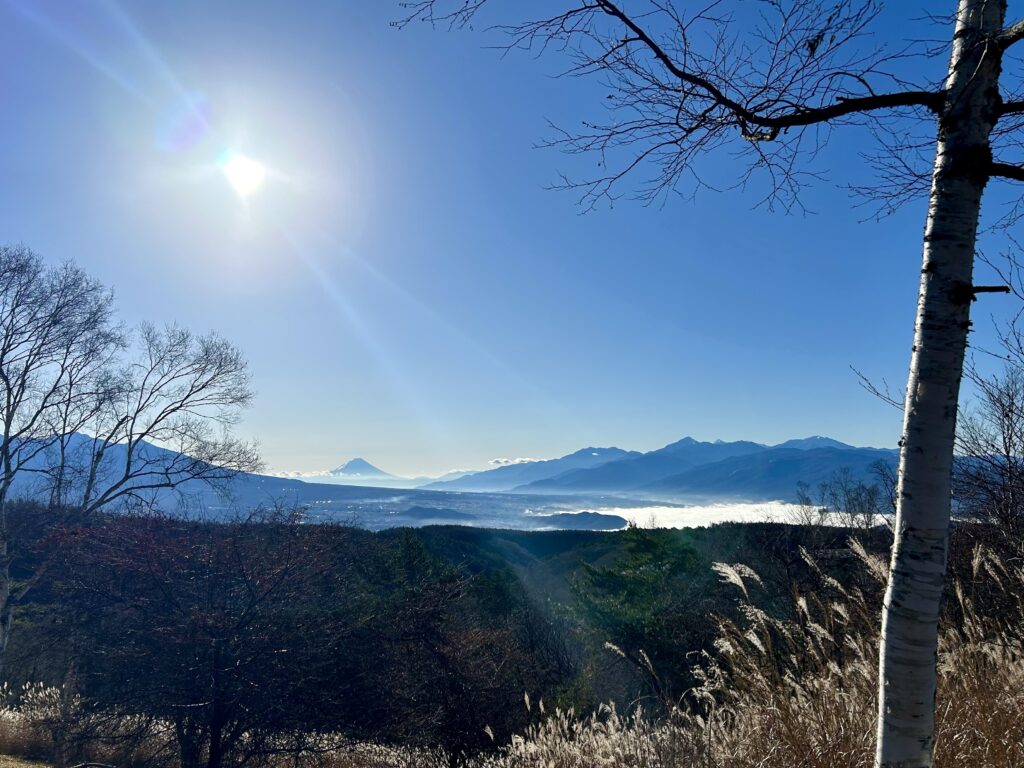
244, 174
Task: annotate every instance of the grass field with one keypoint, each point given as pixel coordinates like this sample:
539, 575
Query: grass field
6, 761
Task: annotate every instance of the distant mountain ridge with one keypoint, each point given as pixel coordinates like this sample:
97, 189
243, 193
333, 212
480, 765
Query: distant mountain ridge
687, 471
815, 441
772, 474
640, 469
509, 476
690, 469
672, 471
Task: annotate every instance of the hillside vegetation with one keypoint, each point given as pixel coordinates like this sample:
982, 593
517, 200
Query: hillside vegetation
165, 642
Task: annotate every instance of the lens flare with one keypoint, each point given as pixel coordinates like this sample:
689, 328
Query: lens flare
244, 174
185, 124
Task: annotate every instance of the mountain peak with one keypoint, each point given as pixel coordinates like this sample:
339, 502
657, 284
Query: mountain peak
686, 441
360, 467
812, 442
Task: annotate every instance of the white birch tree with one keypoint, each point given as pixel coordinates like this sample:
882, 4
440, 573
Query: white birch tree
771, 79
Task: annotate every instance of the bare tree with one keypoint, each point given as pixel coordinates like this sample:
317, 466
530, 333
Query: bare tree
162, 421
842, 500
96, 419
989, 475
988, 479
56, 332
770, 81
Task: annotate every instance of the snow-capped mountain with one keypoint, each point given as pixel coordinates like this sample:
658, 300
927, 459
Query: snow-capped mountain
357, 469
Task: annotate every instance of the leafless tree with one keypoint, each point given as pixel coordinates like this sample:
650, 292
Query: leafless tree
162, 420
989, 477
56, 332
769, 82
97, 417
842, 500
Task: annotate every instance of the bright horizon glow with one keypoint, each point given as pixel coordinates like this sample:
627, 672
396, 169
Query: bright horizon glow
703, 515
244, 174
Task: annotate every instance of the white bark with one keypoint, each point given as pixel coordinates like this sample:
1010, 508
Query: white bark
907, 681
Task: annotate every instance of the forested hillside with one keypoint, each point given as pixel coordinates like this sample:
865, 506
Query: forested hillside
427, 636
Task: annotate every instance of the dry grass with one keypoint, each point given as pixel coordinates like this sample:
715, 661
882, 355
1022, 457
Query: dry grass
6, 761
55, 725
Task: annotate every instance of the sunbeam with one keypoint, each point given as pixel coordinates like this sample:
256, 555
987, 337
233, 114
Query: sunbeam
397, 378
448, 328
68, 39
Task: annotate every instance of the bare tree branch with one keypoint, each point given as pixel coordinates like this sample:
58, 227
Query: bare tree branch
684, 82
1007, 171
1012, 34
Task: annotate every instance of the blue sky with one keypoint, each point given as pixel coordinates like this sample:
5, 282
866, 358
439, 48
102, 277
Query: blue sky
405, 288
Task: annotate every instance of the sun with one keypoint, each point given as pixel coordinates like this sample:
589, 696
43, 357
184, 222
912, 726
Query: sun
244, 174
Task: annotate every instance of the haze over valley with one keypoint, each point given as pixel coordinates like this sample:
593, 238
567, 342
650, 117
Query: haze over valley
687, 482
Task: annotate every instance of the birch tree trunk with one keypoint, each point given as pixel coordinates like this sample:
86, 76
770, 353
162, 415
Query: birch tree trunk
909, 639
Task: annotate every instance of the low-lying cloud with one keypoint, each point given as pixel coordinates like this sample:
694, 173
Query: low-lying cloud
507, 462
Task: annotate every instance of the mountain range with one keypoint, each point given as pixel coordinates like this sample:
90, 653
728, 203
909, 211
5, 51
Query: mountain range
639, 470
511, 476
774, 473
527, 494
685, 470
